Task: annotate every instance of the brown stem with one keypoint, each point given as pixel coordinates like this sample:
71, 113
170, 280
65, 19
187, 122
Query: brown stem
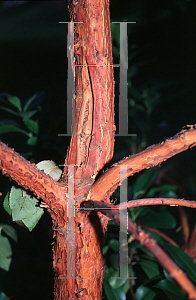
156, 201
150, 244
185, 225
145, 202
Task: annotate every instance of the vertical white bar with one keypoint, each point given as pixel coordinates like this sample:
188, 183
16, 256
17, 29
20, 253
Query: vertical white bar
123, 101
70, 78
123, 254
123, 88
71, 225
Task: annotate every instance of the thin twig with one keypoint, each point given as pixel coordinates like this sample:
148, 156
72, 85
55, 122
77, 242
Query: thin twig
156, 201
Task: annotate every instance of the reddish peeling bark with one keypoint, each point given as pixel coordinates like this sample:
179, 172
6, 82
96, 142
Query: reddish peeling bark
30, 177
94, 89
91, 147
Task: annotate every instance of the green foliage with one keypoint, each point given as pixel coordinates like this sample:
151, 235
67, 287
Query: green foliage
25, 211
142, 183
171, 289
117, 294
31, 125
183, 260
22, 205
13, 106
150, 277
144, 293
151, 280
5, 247
162, 219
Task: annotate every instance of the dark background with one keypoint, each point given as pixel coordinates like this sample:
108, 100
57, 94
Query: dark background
33, 57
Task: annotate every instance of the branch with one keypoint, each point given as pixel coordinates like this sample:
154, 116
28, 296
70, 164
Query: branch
165, 237
107, 183
148, 201
150, 244
156, 201
30, 177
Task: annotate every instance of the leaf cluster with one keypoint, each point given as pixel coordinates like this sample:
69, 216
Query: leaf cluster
149, 281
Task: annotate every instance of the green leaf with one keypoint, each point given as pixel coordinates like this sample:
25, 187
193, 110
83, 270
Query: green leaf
150, 267
33, 126
142, 183
10, 231
114, 260
5, 252
138, 212
10, 111
31, 99
114, 245
113, 294
27, 114
169, 194
114, 280
171, 289
136, 245
30, 223
163, 191
32, 141
7, 128
15, 101
113, 223
161, 219
183, 260
126, 286
20, 223
105, 249
6, 204
15, 193
24, 208
144, 293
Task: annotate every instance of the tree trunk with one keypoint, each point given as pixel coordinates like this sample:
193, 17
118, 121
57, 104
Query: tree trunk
91, 147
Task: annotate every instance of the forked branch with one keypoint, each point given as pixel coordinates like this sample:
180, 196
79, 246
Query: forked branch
150, 157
